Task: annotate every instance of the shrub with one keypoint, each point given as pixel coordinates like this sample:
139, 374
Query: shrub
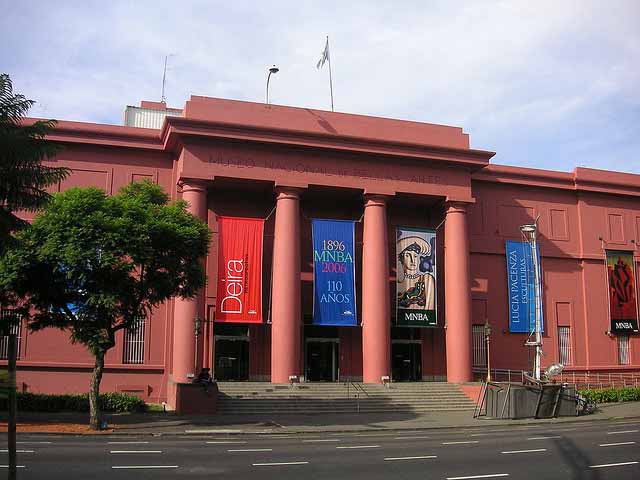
109, 402
609, 395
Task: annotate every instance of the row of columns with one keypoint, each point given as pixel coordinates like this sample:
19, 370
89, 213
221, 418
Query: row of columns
286, 299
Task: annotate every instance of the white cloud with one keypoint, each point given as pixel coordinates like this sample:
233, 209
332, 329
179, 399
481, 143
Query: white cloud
545, 84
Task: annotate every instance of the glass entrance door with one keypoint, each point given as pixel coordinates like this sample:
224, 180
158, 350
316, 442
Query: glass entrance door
322, 360
406, 361
231, 358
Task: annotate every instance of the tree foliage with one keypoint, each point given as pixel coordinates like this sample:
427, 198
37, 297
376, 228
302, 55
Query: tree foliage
94, 264
23, 177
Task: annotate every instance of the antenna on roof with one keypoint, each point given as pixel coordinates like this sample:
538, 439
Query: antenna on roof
164, 77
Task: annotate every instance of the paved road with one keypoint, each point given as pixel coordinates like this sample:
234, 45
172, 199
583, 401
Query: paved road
599, 450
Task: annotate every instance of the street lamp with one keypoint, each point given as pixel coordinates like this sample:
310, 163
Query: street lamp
487, 334
272, 70
529, 232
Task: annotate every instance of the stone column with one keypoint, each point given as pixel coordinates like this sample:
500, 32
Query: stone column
194, 192
376, 334
286, 321
457, 292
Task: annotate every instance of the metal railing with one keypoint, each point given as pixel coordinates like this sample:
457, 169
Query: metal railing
357, 389
582, 380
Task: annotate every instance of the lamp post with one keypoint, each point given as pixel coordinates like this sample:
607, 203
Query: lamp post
487, 334
529, 232
272, 70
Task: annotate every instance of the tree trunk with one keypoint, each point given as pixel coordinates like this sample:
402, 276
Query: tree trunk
95, 418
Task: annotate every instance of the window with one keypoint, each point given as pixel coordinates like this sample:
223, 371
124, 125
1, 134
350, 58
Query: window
134, 342
15, 330
624, 358
564, 345
479, 346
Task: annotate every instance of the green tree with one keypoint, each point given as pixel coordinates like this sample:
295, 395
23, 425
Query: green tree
23, 177
93, 264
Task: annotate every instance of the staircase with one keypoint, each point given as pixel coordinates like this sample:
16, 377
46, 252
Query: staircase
319, 398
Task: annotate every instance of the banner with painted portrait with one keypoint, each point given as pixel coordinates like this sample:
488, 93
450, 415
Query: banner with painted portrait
416, 277
334, 280
622, 292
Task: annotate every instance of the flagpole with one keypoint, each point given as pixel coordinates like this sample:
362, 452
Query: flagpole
330, 79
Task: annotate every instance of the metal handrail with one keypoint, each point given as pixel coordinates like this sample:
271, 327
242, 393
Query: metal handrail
358, 388
585, 379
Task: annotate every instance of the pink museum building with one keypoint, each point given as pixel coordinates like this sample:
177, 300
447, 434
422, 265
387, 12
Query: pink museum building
288, 166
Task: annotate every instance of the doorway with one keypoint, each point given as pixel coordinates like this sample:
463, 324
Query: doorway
406, 360
322, 359
231, 358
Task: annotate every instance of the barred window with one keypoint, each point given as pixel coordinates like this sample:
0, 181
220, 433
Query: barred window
134, 342
564, 345
624, 358
479, 346
16, 330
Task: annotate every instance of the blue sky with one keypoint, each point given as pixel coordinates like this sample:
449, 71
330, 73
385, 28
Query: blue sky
545, 84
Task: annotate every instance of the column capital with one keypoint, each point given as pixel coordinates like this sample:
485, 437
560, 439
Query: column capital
193, 184
456, 206
288, 192
375, 199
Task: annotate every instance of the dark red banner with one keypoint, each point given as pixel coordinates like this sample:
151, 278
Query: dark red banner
239, 297
622, 291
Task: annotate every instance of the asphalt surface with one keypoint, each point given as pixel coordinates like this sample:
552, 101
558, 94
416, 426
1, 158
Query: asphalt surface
598, 450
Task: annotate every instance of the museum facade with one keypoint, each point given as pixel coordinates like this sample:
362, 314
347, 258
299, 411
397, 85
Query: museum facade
354, 248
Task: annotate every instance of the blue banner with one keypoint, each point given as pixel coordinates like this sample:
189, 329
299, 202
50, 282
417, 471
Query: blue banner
521, 281
334, 288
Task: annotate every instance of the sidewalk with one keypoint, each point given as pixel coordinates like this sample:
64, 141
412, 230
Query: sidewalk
171, 424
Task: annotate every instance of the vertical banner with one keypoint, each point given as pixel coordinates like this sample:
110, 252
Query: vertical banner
239, 293
622, 292
521, 288
416, 277
334, 287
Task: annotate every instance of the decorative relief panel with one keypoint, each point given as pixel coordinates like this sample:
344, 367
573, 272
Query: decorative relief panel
511, 217
87, 178
559, 224
616, 227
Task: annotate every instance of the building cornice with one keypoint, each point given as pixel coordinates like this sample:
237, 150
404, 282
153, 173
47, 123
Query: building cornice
581, 179
175, 129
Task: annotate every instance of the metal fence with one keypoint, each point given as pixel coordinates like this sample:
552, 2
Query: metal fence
582, 380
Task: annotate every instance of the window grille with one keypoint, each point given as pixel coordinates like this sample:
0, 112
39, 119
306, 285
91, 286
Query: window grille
479, 346
564, 345
134, 342
15, 330
623, 350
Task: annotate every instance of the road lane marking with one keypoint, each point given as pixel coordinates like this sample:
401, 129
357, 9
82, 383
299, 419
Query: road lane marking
612, 465
126, 443
134, 451
322, 440
525, 451
359, 446
409, 438
492, 475
461, 442
278, 463
7, 466
391, 459
213, 431
622, 431
616, 444
226, 442
251, 450
544, 438
35, 443
126, 467
17, 451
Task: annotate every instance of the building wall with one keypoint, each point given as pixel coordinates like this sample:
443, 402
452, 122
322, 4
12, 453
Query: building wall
580, 213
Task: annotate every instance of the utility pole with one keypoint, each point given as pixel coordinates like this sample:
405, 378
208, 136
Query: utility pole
12, 406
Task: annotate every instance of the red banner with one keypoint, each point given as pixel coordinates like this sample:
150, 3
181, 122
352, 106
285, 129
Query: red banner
622, 292
239, 297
